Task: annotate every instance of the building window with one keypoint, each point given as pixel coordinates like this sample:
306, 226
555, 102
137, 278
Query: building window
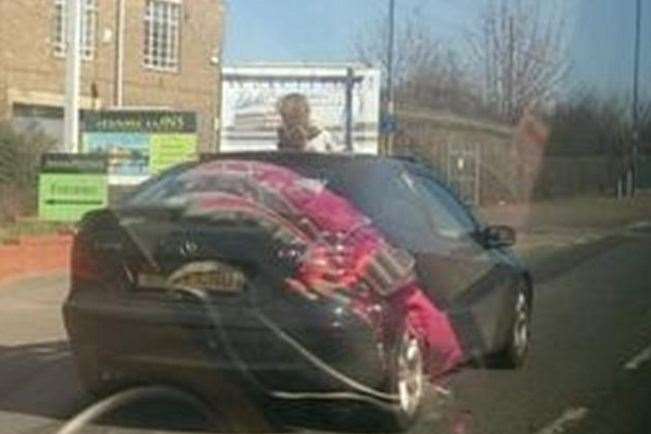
162, 34
88, 24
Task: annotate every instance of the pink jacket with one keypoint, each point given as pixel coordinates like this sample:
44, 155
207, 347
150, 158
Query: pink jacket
346, 256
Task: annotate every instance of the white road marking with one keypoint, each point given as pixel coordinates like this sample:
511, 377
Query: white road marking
443, 391
639, 360
571, 415
56, 356
588, 239
433, 416
642, 225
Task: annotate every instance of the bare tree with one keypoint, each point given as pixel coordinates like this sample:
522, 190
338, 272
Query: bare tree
445, 84
519, 52
428, 74
415, 50
590, 124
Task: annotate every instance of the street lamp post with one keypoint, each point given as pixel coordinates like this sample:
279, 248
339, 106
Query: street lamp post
636, 106
350, 84
118, 100
390, 108
73, 76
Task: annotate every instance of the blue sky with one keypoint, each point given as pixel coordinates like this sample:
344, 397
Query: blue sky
316, 30
322, 30
603, 48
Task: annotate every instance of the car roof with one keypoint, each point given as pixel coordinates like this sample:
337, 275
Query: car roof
335, 162
297, 157
328, 161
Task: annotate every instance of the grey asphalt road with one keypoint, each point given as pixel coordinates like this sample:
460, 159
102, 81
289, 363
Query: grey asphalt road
589, 369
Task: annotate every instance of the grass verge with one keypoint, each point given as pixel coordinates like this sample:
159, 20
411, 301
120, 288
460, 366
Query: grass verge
13, 232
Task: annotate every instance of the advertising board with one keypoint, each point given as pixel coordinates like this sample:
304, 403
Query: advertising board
140, 143
250, 95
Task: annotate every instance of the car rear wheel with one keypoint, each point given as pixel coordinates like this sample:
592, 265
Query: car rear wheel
407, 381
515, 353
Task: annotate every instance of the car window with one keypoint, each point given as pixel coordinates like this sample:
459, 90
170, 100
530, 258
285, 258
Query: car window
449, 218
375, 190
395, 210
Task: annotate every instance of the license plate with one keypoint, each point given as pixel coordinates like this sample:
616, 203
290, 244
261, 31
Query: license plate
209, 276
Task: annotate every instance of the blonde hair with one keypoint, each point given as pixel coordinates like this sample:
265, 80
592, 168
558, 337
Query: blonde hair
294, 110
296, 130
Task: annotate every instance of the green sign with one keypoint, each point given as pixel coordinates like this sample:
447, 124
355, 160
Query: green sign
71, 185
168, 150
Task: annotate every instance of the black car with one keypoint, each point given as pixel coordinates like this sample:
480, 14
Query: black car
304, 276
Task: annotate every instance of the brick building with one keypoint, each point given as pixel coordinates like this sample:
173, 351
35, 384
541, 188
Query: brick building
170, 51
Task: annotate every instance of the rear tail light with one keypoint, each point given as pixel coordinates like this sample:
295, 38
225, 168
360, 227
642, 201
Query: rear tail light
102, 257
83, 265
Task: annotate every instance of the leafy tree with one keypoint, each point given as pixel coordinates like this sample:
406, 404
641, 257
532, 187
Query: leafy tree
20, 155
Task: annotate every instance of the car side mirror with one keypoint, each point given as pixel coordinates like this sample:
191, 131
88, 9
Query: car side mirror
499, 236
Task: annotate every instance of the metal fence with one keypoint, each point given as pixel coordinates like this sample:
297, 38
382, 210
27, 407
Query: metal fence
462, 170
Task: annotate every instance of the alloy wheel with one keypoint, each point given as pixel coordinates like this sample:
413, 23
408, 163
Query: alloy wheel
521, 327
410, 374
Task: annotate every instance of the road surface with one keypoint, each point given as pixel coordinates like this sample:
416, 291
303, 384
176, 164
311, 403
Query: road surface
589, 369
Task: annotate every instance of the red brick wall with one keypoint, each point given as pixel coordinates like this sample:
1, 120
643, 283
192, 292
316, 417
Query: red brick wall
196, 85
38, 256
28, 62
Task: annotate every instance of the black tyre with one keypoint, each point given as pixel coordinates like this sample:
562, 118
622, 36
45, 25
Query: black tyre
515, 352
406, 380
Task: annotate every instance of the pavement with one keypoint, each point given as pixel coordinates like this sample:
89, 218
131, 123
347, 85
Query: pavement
589, 369
553, 235
583, 213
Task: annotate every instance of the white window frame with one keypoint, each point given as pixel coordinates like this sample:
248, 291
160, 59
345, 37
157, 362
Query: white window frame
88, 28
163, 54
